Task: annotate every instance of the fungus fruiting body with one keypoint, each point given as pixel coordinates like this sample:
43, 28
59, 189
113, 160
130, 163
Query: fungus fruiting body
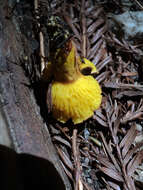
87, 66
76, 100
74, 95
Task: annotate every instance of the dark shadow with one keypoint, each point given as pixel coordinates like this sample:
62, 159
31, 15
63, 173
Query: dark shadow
26, 172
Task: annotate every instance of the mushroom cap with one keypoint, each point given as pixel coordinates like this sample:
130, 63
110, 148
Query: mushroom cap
87, 67
75, 100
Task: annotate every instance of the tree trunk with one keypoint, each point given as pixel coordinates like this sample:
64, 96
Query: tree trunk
22, 126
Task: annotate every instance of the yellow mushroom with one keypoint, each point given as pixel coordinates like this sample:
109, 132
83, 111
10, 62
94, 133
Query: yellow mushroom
87, 67
74, 96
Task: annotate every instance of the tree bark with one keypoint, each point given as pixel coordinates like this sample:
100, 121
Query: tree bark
22, 125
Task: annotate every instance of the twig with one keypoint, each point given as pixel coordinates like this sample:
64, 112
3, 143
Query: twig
140, 5
42, 51
78, 182
84, 29
62, 131
65, 159
86, 186
96, 141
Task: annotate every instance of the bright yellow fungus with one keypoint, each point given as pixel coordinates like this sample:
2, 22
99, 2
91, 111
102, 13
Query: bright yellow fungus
74, 96
87, 66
